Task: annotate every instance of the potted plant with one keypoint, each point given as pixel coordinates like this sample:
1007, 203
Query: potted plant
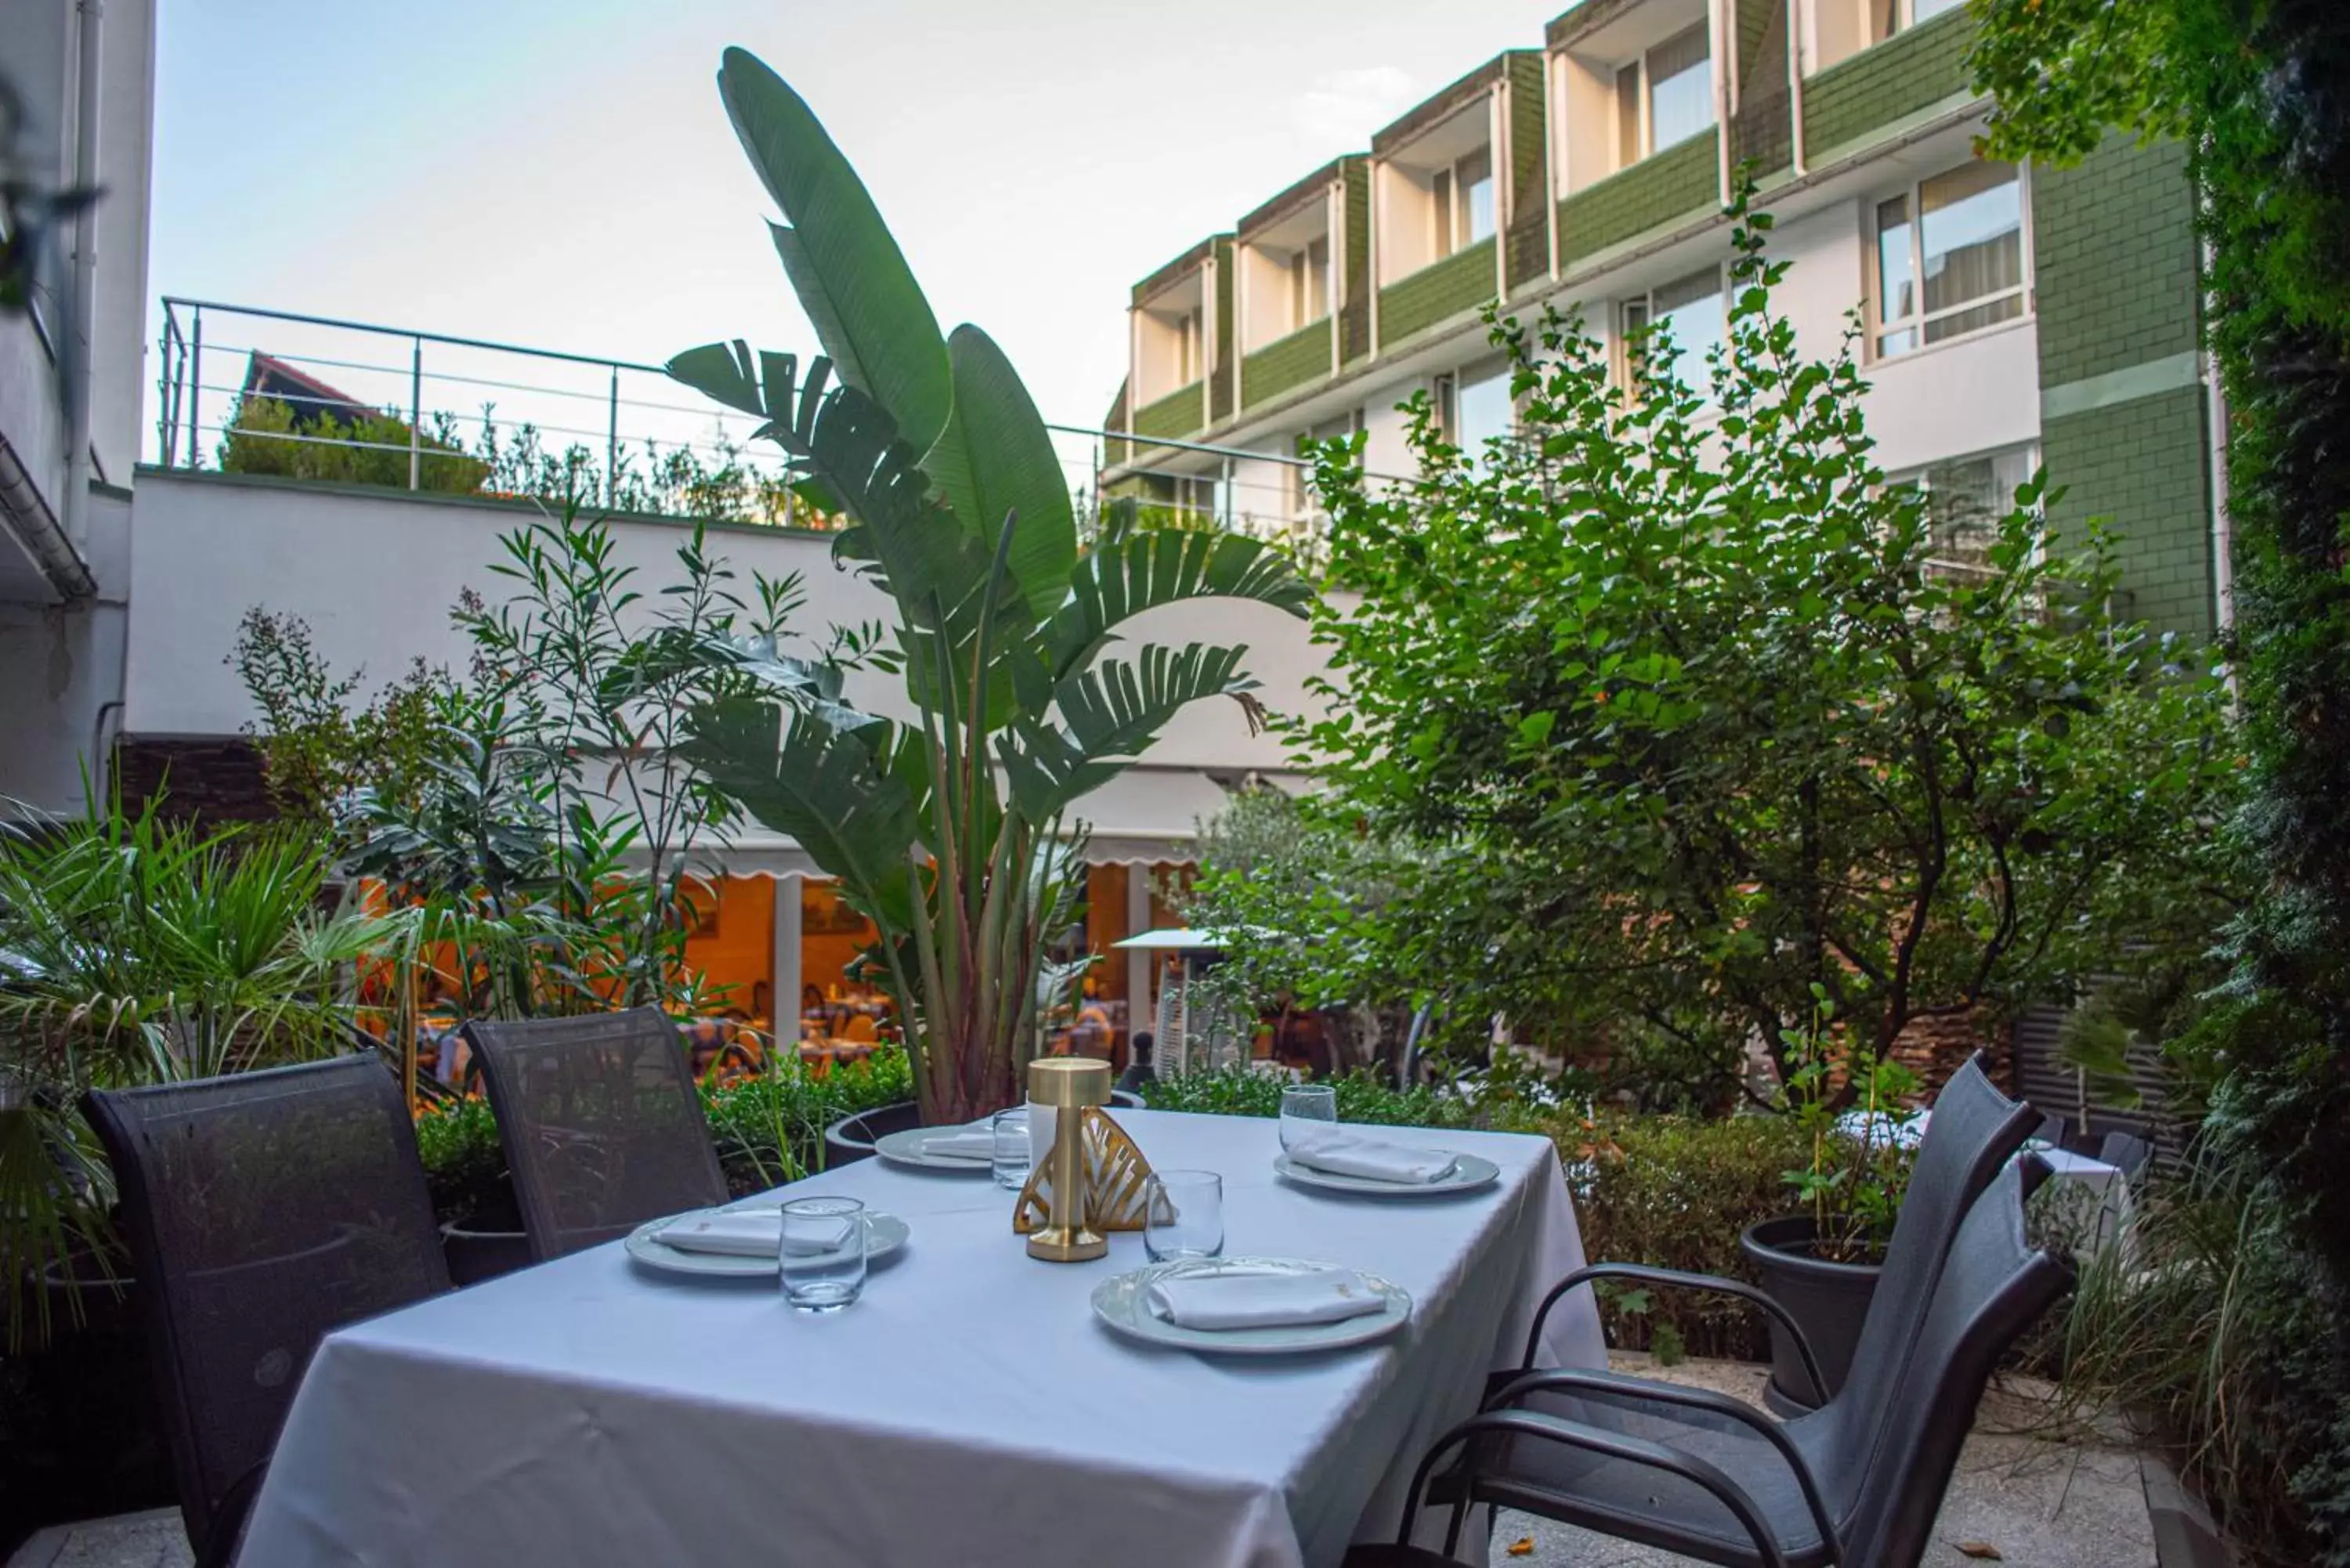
1822, 1261
958, 831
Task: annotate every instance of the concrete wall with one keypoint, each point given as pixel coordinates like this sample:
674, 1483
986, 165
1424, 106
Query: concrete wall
374, 572
61, 669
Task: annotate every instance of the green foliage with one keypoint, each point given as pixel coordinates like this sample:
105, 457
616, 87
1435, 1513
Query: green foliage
1362, 1097
1674, 685
33, 204
768, 1127
2253, 86
318, 747
951, 833
134, 950
1674, 1192
1852, 1182
265, 436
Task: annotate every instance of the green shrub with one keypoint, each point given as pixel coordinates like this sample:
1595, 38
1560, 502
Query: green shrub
1237, 1092
265, 436
1674, 1192
768, 1129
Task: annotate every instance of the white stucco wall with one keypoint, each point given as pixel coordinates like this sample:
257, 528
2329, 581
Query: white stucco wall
60, 668
375, 573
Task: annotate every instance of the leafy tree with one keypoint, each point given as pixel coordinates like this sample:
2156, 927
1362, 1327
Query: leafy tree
267, 436
1683, 691
318, 746
953, 832
2255, 89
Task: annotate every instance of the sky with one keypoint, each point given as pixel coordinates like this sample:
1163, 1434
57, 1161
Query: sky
559, 174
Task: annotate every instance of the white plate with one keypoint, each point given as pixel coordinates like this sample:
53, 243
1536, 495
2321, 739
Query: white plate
1468, 1173
884, 1234
911, 1147
1118, 1301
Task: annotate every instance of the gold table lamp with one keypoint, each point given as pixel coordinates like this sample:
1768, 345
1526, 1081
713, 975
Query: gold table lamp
1054, 1209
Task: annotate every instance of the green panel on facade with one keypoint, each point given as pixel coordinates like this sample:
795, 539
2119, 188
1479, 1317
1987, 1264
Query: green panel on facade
1172, 416
1762, 130
1680, 182
2140, 465
1461, 281
2114, 260
1286, 362
1528, 257
1908, 72
1355, 299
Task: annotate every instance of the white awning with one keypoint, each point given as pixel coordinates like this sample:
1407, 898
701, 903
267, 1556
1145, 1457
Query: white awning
1142, 816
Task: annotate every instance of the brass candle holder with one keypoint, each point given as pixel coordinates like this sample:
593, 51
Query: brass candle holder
1092, 1179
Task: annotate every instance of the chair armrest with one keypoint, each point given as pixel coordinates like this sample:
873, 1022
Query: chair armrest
1602, 1384
1676, 1279
1639, 1451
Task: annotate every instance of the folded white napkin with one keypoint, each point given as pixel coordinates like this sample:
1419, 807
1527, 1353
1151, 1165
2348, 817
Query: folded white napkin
1342, 1154
749, 1233
976, 1141
1228, 1301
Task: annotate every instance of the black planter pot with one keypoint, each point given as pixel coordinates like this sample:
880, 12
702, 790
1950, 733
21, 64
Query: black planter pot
80, 1434
852, 1138
487, 1243
1828, 1301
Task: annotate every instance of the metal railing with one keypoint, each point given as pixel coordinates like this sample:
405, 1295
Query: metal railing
430, 411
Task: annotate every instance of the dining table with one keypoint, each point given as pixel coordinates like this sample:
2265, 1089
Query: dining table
968, 1409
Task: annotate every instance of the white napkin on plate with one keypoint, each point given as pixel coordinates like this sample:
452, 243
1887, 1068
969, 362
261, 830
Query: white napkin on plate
1213, 1300
748, 1233
1342, 1154
976, 1141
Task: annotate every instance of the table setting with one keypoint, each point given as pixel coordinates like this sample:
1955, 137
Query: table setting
1074, 1335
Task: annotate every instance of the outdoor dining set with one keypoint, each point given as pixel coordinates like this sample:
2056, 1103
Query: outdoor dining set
1317, 1342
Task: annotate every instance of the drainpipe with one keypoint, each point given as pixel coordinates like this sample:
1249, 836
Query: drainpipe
84, 330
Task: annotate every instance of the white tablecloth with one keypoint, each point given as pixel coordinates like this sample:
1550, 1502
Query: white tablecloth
969, 1410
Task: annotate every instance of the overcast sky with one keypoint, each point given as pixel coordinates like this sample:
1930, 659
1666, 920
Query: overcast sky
560, 173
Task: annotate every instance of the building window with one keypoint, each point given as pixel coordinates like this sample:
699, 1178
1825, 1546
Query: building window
1965, 500
1887, 17
1484, 413
1688, 323
1463, 208
1309, 283
1442, 392
1950, 257
1663, 97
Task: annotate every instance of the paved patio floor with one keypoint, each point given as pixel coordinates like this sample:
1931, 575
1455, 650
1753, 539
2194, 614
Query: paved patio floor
2037, 1503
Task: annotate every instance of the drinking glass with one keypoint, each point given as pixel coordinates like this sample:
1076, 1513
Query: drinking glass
823, 1252
1015, 1154
1308, 1111
1184, 1215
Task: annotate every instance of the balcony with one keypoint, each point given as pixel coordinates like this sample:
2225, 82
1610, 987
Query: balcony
1460, 282
1887, 82
1287, 363
1679, 182
1173, 417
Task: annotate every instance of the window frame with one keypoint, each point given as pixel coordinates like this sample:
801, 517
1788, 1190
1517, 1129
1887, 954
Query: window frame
1905, 14
1449, 211
1190, 346
1879, 329
1917, 477
1303, 270
1645, 93
1643, 305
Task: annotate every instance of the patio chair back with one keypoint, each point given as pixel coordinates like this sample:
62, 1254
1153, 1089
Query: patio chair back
601, 1122
1973, 1132
264, 1210
1994, 1287
2126, 1152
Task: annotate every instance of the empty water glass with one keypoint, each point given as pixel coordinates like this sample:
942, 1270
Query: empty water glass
1015, 1153
1184, 1215
823, 1254
1308, 1111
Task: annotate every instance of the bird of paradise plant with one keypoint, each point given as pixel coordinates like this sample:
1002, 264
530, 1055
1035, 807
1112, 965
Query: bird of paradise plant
957, 832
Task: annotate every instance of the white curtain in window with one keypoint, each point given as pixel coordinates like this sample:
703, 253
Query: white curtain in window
1690, 310
1971, 232
1681, 92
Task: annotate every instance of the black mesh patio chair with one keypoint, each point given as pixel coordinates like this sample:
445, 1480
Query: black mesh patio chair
1974, 1130
264, 1210
2126, 1152
601, 1122
1858, 1483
